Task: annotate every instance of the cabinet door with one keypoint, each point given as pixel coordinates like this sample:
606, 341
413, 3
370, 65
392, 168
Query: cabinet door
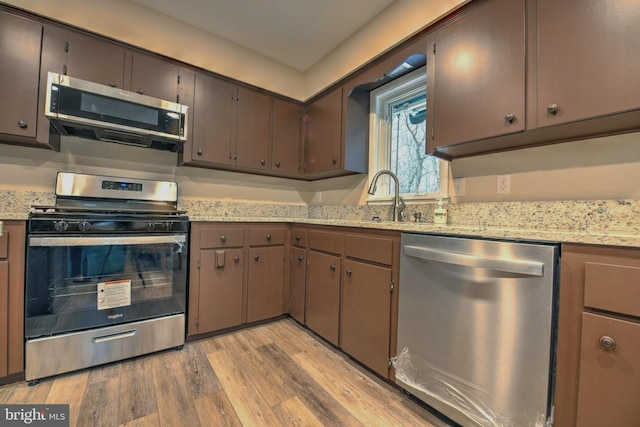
480, 74
265, 293
153, 77
20, 67
221, 276
212, 120
366, 314
4, 318
253, 128
285, 144
324, 133
99, 61
609, 378
297, 283
323, 295
588, 59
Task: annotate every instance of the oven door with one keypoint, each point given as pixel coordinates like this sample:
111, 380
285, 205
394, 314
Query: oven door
83, 282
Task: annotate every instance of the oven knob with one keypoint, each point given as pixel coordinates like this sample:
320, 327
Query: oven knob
61, 225
150, 226
166, 226
84, 226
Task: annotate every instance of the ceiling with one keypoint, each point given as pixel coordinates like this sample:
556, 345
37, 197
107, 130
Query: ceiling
297, 33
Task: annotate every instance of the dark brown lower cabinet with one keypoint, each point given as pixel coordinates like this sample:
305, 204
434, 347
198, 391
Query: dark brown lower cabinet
365, 321
297, 283
323, 295
609, 372
12, 250
265, 291
221, 278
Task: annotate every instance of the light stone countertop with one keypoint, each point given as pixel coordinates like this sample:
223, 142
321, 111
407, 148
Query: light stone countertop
601, 222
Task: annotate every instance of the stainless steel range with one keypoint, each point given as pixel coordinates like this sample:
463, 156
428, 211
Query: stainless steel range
106, 273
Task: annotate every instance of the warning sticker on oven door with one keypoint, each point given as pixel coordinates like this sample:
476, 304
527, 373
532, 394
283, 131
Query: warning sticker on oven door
114, 294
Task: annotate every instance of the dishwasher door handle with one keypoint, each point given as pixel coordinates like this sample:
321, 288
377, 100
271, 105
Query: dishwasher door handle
529, 268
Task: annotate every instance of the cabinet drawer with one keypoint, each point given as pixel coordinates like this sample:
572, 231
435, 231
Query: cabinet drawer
267, 236
374, 249
298, 237
612, 287
609, 383
221, 237
4, 244
325, 241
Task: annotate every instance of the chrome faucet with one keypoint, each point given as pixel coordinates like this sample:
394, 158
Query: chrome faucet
398, 203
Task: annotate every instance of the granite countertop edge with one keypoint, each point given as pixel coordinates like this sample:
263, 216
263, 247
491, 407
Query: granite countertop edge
560, 236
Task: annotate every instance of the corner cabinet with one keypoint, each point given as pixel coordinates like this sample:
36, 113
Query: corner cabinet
598, 371
12, 265
479, 76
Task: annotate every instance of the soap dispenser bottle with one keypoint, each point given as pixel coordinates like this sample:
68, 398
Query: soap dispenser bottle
440, 214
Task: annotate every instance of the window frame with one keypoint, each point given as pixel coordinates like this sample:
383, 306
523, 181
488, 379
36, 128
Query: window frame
404, 87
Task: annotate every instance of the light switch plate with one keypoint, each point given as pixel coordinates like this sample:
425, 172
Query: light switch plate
458, 186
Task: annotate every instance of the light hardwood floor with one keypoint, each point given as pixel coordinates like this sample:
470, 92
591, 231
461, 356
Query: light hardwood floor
276, 374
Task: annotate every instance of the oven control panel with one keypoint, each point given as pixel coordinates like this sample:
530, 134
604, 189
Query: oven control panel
106, 225
120, 185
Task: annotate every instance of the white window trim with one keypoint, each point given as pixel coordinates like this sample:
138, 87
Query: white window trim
400, 88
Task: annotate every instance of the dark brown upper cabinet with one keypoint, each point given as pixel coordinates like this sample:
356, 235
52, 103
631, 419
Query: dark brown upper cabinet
479, 75
231, 126
20, 41
286, 137
324, 134
588, 59
152, 76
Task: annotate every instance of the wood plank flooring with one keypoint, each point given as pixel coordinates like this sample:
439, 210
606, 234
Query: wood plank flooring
277, 374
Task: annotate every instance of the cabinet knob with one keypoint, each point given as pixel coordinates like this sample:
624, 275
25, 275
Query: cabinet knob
349, 271
332, 267
199, 152
607, 342
334, 161
112, 84
262, 162
140, 91
268, 236
297, 238
256, 257
223, 238
300, 258
509, 118
236, 259
22, 124
552, 108
277, 164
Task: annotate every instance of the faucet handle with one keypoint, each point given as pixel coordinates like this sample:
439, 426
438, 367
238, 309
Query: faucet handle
401, 208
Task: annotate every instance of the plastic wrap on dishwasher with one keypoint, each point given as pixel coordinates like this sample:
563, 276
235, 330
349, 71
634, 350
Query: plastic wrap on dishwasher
453, 391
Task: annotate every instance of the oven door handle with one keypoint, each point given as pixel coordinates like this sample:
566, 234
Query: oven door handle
516, 266
107, 240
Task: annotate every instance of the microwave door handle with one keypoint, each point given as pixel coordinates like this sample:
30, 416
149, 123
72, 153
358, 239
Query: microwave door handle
515, 266
107, 240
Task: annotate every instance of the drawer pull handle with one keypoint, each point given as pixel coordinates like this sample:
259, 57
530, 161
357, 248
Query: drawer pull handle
332, 267
236, 259
607, 342
297, 238
349, 271
223, 238
256, 257
268, 236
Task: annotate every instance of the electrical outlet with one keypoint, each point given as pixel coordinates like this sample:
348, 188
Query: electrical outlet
319, 196
504, 183
458, 186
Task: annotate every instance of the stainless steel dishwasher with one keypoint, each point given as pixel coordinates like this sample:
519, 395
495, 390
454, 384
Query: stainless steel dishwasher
477, 328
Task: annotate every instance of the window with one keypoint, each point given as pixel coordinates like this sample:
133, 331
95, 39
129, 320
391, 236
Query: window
398, 138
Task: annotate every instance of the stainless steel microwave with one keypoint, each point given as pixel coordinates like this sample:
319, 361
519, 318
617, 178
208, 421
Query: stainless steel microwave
84, 109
